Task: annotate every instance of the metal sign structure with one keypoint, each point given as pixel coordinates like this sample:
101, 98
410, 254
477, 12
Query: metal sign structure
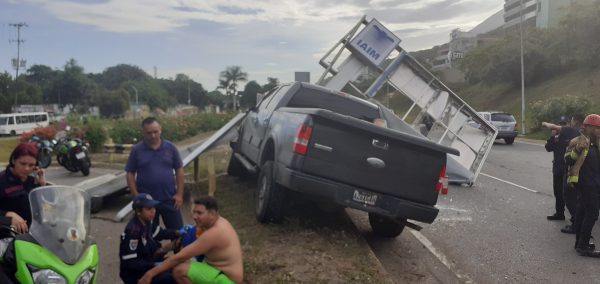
435, 111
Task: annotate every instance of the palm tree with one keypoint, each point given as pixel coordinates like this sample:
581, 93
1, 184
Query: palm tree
229, 80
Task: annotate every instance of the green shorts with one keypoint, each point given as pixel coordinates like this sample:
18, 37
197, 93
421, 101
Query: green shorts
202, 272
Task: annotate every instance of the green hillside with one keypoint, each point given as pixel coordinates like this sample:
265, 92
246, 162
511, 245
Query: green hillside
505, 97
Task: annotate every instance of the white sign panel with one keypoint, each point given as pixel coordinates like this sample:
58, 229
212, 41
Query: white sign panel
375, 42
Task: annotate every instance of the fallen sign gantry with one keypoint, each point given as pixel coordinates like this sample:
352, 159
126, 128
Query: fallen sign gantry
104, 186
435, 111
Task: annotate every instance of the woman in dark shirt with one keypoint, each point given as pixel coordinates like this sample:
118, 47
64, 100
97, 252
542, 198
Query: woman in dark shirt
21, 176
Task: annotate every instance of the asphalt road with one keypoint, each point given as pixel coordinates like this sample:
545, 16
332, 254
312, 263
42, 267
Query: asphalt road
497, 232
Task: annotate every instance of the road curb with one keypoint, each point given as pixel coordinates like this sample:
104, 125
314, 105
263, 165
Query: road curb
383, 272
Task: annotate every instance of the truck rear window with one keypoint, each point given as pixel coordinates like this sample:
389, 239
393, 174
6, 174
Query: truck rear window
503, 117
342, 104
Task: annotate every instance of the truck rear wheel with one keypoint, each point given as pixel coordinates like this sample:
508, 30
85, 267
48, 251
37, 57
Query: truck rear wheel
269, 197
386, 227
509, 141
235, 167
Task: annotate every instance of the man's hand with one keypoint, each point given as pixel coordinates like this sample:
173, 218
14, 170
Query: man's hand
178, 200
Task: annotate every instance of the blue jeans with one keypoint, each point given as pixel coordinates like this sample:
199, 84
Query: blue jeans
171, 216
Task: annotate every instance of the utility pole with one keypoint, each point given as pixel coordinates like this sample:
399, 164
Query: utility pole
18, 62
522, 70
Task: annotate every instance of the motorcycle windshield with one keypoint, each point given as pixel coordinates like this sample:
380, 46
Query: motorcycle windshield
60, 220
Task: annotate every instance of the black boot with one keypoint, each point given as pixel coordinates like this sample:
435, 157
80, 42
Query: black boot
556, 217
584, 248
568, 229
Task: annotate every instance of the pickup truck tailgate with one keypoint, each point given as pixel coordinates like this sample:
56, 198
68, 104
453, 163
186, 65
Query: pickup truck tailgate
378, 159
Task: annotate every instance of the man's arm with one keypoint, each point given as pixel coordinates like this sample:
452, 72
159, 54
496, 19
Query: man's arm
131, 183
551, 126
131, 169
198, 247
180, 179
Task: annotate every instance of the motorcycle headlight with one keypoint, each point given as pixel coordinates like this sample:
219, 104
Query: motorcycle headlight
47, 276
85, 277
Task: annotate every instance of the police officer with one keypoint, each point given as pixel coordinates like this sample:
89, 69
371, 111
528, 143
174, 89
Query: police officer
140, 248
583, 158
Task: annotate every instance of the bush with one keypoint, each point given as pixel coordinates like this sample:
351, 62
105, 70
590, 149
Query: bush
95, 134
126, 131
46, 132
550, 110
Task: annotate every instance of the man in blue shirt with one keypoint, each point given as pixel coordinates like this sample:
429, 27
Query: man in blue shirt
155, 167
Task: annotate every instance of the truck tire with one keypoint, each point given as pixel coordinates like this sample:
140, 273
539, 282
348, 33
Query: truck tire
269, 197
385, 227
235, 167
509, 141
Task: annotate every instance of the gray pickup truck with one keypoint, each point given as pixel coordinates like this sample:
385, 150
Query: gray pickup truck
334, 147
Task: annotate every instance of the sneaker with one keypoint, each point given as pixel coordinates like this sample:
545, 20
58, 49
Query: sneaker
568, 229
556, 217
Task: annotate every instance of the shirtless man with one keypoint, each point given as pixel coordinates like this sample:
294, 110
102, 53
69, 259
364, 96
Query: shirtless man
218, 242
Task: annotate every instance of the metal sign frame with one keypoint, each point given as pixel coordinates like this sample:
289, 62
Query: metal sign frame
454, 122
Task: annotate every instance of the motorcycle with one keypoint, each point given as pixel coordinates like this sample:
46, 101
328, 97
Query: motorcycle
45, 148
72, 153
58, 248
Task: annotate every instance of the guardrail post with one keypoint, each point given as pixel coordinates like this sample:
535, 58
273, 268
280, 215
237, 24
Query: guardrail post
212, 177
196, 170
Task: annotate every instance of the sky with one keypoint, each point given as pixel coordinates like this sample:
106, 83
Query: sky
200, 38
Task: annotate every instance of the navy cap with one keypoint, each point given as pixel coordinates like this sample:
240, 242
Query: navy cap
143, 200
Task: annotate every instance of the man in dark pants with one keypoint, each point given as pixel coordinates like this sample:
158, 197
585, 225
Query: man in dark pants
583, 156
155, 167
557, 143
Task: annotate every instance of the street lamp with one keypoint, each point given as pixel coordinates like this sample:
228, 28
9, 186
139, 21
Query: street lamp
522, 70
137, 106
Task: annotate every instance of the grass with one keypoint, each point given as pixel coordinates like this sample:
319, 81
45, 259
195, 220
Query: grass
311, 246
6, 147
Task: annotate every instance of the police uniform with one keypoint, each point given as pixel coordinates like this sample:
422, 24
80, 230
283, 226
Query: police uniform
139, 243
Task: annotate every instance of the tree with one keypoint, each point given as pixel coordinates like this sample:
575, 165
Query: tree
114, 76
248, 98
113, 103
271, 83
229, 81
73, 86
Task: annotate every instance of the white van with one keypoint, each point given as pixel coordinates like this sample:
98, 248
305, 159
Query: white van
17, 123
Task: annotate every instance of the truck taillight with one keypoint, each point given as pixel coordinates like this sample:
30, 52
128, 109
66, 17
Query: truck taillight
442, 184
302, 139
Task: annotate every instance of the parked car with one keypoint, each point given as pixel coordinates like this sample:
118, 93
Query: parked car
336, 148
504, 122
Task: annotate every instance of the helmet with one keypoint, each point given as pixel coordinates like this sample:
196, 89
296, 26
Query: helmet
592, 119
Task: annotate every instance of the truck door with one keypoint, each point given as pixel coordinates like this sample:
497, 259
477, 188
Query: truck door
263, 118
249, 138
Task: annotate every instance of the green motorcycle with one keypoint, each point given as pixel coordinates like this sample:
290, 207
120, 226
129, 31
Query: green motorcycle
57, 248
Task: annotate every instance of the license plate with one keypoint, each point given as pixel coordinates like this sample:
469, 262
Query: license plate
364, 197
80, 155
